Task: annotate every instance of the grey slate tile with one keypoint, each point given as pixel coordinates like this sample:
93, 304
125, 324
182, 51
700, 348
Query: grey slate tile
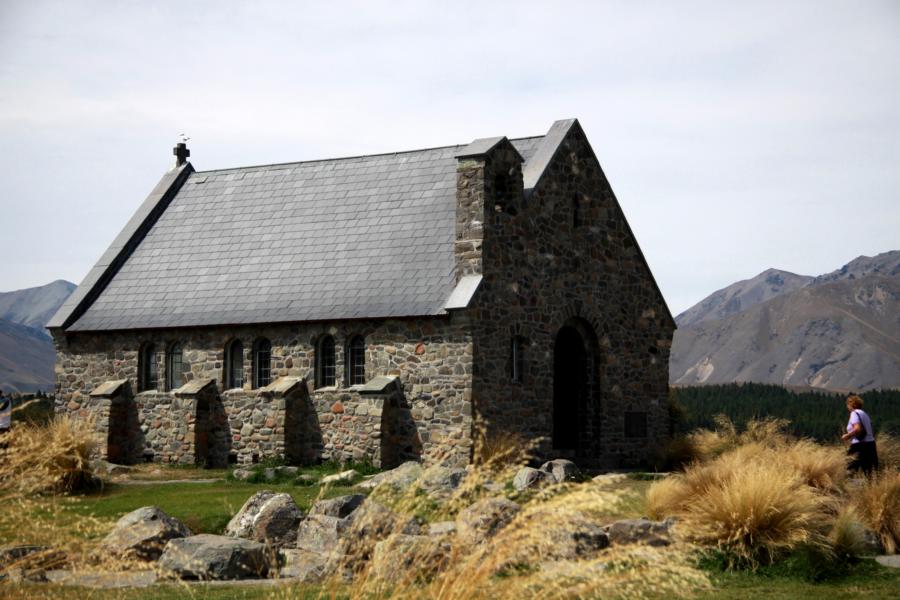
368, 236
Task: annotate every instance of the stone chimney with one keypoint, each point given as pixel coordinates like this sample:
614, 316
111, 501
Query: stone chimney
488, 180
181, 153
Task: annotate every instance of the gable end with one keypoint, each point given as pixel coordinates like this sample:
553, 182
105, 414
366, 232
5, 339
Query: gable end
121, 248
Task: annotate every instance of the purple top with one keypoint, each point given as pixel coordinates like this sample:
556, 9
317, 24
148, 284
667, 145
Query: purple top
860, 416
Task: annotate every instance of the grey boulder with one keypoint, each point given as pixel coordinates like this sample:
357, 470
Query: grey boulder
639, 531
143, 533
340, 506
402, 557
528, 477
321, 534
304, 566
398, 478
484, 519
268, 518
561, 469
342, 478
440, 481
214, 557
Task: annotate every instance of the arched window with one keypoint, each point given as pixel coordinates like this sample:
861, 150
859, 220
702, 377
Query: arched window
356, 361
325, 362
262, 362
147, 368
174, 367
234, 365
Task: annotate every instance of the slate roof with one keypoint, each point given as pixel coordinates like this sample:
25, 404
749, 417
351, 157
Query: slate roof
362, 237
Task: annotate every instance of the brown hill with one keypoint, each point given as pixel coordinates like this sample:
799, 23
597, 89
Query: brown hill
839, 331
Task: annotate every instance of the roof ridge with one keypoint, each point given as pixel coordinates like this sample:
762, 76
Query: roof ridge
336, 158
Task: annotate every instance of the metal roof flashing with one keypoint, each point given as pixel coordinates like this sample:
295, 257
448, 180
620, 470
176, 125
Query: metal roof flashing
463, 293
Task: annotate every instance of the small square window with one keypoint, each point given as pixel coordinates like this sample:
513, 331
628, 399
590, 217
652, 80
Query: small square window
517, 359
635, 424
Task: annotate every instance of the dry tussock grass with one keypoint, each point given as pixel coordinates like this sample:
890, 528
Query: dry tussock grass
847, 538
52, 458
496, 446
878, 504
707, 445
888, 451
757, 514
758, 494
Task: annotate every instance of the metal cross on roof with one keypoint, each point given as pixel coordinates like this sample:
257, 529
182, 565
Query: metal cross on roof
181, 153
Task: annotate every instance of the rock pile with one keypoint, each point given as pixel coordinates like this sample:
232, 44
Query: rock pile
271, 536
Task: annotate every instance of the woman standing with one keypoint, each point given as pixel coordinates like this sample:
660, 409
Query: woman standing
864, 455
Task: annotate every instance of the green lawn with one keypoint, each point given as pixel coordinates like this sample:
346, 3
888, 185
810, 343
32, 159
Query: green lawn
868, 580
203, 507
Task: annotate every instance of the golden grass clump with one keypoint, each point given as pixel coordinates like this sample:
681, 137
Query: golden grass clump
821, 467
495, 446
757, 514
847, 536
707, 444
878, 504
48, 458
754, 502
888, 451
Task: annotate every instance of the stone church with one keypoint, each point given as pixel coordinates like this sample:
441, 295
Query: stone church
383, 308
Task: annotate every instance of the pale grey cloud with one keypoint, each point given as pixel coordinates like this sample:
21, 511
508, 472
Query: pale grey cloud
738, 136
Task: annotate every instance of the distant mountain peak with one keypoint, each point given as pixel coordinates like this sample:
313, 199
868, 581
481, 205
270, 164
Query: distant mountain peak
886, 264
835, 331
741, 295
33, 307
26, 351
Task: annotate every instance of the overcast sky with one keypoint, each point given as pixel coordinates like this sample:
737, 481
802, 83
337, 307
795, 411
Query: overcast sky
737, 136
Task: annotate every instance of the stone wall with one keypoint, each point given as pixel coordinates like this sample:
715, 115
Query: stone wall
431, 359
167, 424
542, 270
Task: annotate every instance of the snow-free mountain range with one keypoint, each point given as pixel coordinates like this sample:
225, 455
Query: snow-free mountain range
26, 350
838, 331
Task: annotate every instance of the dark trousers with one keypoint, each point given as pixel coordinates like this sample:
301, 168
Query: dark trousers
863, 457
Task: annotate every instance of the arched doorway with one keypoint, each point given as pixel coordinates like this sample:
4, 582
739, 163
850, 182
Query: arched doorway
570, 388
